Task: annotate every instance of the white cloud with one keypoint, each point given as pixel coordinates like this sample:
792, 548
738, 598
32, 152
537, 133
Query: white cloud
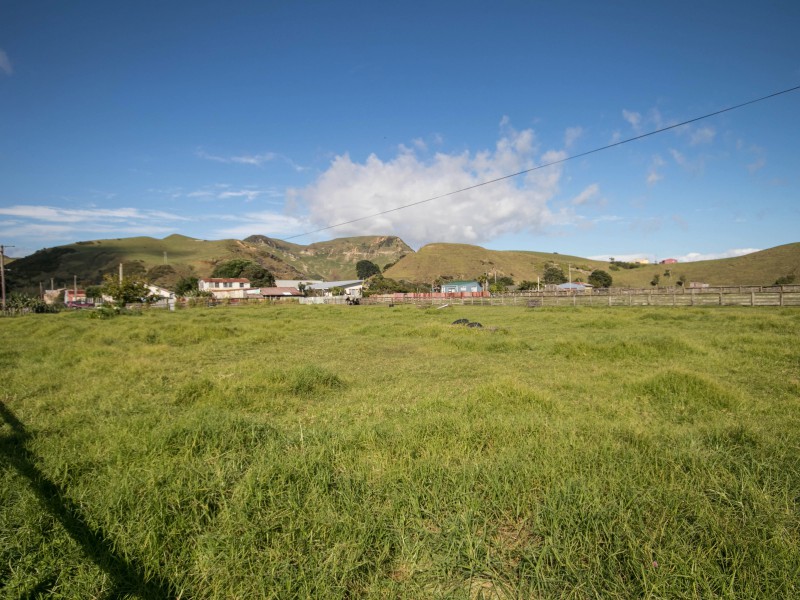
759, 157
248, 195
34, 230
224, 191
571, 135
757, 164
68, 215
587, 194
695, 167
704, 135
53, 226
634, 118
697, 256
5, 63
350, 190
256, 160
653, 174
263, 223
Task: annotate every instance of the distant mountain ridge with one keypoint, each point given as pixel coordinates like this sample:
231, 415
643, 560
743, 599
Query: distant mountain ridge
165, 261
335, 259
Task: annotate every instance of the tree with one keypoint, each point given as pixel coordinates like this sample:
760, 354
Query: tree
258, 276
247, 269
600, 279
94, 292
655, 280
366, 269
526, 285
231, 268
24, 303
553, 274
130, 289
384, 285
682, 280
188, 286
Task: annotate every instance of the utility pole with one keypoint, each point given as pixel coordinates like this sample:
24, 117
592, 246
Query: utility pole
120, 273
3, 272
74, 288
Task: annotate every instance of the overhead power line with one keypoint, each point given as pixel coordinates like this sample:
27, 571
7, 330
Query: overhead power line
548, 164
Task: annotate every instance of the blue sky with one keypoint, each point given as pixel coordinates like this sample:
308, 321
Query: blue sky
218, 120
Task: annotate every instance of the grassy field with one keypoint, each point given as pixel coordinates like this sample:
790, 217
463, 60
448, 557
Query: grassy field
375, 452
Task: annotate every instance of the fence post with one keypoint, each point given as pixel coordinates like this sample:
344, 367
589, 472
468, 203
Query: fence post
752, 298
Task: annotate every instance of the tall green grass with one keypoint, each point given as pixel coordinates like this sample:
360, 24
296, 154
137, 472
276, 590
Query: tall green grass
380, 452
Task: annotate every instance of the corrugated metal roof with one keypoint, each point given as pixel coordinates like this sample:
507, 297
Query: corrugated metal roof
326, 285
572, 286
224, 280
279, 291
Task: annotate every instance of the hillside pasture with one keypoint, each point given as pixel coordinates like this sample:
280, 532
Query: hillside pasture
376, 452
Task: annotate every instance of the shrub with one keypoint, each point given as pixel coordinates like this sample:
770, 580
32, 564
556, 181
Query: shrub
600, 279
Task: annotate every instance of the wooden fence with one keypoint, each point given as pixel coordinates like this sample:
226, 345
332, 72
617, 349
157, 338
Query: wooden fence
697, 297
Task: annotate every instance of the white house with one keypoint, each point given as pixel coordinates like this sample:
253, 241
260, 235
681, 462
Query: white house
160, 292
352, 288
223, 287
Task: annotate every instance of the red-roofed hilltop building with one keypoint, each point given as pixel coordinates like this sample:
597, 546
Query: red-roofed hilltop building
669, 261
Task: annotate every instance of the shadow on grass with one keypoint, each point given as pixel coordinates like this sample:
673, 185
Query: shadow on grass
129, 577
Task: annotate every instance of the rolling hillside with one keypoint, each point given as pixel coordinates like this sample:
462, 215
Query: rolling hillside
758, 268
166, 260
335, 259
463, 261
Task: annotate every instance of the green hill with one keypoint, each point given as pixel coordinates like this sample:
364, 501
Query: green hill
165, 261
758, 268
463, 261
335, 259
